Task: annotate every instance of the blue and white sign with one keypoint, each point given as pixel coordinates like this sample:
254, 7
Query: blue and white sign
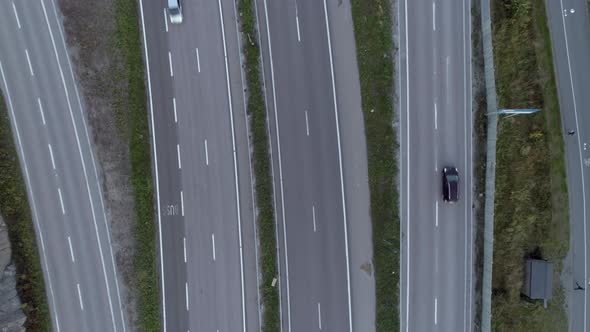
519, 111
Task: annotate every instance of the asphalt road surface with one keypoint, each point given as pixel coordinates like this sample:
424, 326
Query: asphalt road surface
204, 192
59, 169
570, 28
436, 131
319, 165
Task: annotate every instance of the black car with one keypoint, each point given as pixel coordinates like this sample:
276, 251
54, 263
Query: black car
450, 184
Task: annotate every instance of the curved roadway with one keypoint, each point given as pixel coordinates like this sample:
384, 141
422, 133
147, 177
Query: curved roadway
59, 168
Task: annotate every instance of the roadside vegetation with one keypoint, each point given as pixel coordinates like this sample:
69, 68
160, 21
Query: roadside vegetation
531, 213
131, 112
479, 156
14, 207
256, 110
374, 43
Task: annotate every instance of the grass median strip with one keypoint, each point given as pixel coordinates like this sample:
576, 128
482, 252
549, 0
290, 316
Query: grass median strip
531, 213
374, 43
145, 281
256, 109
14, 206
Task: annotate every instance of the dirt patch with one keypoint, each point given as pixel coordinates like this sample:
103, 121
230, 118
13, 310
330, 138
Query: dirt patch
90, 29
368, 268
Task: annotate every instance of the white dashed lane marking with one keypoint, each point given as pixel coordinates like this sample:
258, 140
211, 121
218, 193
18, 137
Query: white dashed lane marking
71, 250
29, 62
16, 15
80, 297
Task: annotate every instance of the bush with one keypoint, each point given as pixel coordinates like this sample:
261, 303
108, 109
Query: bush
14, 206
256, 109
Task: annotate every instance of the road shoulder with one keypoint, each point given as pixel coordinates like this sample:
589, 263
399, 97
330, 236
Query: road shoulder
354, 160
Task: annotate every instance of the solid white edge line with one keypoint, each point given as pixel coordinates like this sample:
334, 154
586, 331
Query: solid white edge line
206, 154
213, 245
236, 183
80, 296
272, 75
51, 156
147, 64
340, 167
401, 178
184, 247
29, 62
470, 87
166, 19
53, 307
178, 154
467, 206
345, 222
569, 65
198, 60
181, 203
61, 201
174, 106
82, 161
186, 295
16, 15
41, 110
170, 63
71, 250
95, 172
408, 238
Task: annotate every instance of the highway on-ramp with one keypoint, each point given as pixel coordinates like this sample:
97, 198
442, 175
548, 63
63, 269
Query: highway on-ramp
59, 169
569, 26
436, 131
203, 183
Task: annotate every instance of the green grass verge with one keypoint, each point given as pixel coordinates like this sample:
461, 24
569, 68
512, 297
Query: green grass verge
531, 213
135, 117
14, 207
258, 127
479, 157
374, 42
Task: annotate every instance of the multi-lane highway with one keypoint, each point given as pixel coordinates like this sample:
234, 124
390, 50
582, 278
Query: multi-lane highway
203, 181
315, 173
207, 245
436, 131
59, 168
570, 28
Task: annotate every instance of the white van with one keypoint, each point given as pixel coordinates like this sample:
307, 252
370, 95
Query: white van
175, 11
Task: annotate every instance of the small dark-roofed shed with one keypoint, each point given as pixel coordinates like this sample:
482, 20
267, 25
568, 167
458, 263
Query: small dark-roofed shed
538, 282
